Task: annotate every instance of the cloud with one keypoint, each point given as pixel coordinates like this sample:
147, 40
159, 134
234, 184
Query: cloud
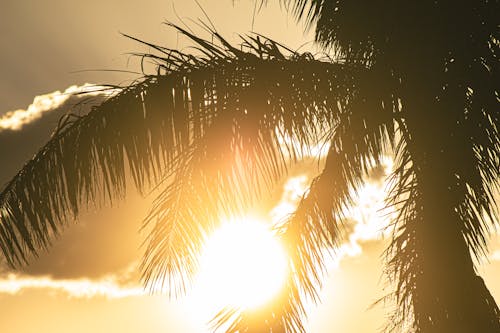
102, 242
316, 150
366, 221
119, 284
15, 120
108, 287
23, 132
293, 189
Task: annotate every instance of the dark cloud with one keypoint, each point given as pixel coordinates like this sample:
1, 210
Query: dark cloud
102, 242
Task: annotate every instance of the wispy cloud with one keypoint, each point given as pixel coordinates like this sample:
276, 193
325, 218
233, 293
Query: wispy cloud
15, 120
120, 284
108, 287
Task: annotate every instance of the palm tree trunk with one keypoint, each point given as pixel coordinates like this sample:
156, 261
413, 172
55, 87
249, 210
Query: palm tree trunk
448, 296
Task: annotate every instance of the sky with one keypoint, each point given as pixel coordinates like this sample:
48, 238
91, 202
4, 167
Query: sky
88, 281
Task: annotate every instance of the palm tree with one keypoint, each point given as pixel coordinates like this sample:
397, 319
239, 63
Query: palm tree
421, 87
444, 58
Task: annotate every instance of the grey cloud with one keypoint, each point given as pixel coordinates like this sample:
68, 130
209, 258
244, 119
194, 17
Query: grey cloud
102, 242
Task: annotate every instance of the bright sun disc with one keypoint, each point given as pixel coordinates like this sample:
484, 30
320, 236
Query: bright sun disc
243, 264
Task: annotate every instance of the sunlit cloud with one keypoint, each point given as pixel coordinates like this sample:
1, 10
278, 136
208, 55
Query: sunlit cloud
368, 216
114, 285
293, 189
317, 150
108, 287
15, 120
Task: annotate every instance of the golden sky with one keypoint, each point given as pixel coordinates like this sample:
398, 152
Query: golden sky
88, 281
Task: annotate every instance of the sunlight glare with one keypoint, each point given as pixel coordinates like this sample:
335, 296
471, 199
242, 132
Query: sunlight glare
243, 264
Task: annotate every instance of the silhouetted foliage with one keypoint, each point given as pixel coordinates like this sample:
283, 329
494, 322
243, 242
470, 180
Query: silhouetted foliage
415, 79
442, 57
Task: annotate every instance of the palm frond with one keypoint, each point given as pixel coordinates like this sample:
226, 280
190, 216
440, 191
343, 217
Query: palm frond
201, 125
259, 98
209, 128
363, 131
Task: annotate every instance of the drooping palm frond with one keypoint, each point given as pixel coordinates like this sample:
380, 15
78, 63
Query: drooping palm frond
209, 129
261, 98
364, 130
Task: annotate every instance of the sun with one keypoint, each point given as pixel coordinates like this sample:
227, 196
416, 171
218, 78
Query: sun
243, 265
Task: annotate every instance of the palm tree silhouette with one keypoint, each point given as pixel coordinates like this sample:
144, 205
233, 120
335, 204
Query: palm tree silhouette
416, 79
445, 58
